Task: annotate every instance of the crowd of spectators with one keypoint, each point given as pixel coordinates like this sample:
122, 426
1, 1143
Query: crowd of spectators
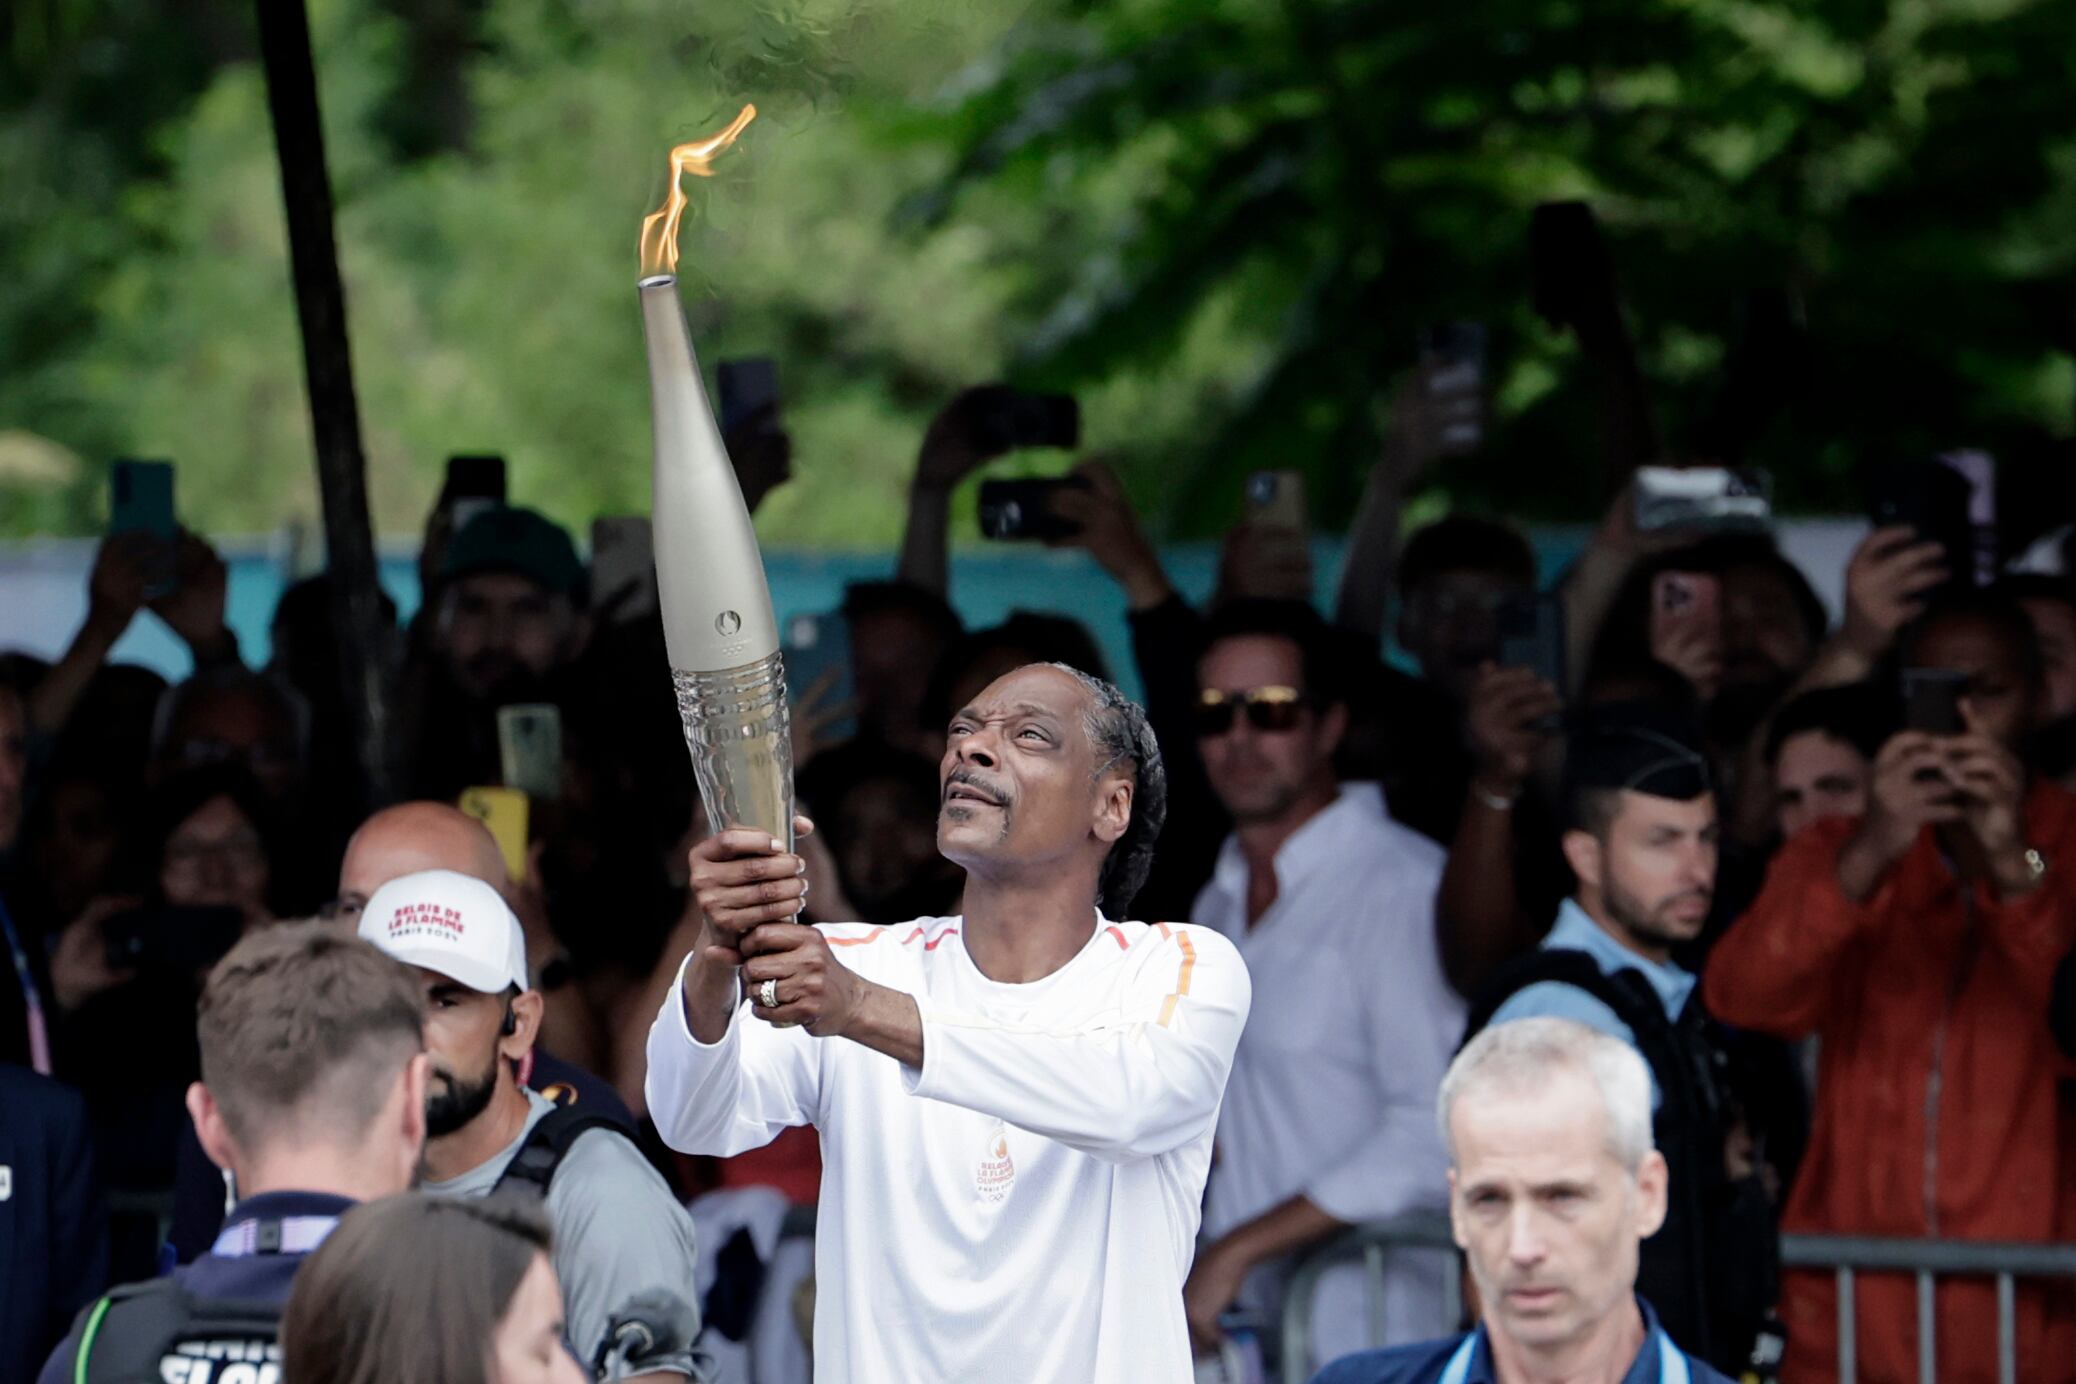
1832, 912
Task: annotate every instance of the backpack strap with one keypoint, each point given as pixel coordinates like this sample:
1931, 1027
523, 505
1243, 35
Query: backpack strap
532, 1169
124, 1335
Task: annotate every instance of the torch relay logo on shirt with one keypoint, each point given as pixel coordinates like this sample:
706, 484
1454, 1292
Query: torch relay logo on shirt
996, 1174
426, 920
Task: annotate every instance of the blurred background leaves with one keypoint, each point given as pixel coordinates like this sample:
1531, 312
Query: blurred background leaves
1845, 231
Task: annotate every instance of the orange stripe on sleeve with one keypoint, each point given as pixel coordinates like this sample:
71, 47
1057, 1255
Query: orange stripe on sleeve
877, 933
1189, 964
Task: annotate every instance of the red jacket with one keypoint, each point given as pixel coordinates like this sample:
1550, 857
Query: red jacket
1937, 1089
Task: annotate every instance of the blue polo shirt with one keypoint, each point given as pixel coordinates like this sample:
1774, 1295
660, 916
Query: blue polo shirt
1429, 1362
263, 1276
1575, 930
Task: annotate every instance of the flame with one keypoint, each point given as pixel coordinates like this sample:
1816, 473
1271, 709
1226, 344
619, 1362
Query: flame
660, 227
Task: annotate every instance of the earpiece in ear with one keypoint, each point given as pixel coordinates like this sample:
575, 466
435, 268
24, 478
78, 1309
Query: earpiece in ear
511, 1023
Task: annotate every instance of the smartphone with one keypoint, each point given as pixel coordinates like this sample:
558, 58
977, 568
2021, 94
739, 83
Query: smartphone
1278, 498
1013, 510
1702, 499
1690, 599
171, 938
623, 568
1530, 631
1454, 354
746, 385
1006, 419
1950, 501
475, 483
1932, 700
529, 749
140, 500
505, 811
818, 648
1937, 501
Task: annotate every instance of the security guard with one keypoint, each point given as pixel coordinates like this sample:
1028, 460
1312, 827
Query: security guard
1553, 1185
294, 1008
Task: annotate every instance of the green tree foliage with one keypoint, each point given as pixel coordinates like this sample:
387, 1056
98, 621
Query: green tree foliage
1221, 222
1321, 177
489, 257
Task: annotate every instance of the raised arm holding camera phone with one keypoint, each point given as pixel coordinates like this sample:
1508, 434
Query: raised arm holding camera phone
1918, 942
146, 562
1890, 576
978, 425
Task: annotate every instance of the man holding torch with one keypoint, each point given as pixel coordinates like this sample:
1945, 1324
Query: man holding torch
1016, 1105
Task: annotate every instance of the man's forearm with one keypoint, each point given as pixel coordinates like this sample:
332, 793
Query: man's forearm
60, 689
888, 1021
216, 649
1283, 1228
1365, 592
924, 542
710, 994
1477, 912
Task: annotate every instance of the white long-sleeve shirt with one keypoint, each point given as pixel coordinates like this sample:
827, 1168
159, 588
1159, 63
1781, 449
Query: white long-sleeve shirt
1334, 1085
1024, 1206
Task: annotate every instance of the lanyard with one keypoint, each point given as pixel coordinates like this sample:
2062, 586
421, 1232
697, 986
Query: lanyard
1672, 1366
288, 1235
32, 998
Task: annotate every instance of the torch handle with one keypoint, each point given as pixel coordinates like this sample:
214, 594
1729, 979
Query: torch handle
739, 730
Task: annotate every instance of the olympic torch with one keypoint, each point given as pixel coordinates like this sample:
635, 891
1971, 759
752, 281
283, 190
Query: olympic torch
717, 619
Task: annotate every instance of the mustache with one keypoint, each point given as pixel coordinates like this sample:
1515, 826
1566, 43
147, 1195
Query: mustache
964, 777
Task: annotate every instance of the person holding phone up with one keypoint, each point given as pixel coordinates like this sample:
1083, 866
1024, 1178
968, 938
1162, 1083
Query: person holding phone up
1918, 941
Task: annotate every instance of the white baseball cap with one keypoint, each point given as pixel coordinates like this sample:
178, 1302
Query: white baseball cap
451, 923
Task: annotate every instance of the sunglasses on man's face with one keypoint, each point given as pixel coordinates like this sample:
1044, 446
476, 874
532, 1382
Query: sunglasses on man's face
1267, 708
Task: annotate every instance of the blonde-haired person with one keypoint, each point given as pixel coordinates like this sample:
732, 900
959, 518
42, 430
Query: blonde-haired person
435, 1288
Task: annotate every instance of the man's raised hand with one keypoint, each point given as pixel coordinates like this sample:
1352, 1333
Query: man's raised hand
743, 878
813, 989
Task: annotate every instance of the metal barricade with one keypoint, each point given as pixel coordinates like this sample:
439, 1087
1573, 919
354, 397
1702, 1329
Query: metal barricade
1844, 1255
1370, 1244
1927, 1261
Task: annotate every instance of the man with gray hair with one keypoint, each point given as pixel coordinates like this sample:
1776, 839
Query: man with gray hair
1553, 1184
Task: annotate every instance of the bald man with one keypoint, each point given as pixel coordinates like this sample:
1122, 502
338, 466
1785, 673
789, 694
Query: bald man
415, 836
397, 841
410, 837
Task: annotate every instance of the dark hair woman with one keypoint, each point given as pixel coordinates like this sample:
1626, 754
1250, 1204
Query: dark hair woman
452, 1289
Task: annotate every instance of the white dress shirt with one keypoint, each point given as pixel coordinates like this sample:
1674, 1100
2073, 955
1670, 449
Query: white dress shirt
1024, 1206
1333, 1089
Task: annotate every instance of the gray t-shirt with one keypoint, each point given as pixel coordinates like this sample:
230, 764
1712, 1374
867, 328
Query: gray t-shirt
619, 1233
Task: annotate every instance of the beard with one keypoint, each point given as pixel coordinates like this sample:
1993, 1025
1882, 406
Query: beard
497, 678
454, 1101
1251, 790
1642, 921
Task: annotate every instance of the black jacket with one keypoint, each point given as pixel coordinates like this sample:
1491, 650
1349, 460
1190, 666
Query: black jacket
53, 1226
